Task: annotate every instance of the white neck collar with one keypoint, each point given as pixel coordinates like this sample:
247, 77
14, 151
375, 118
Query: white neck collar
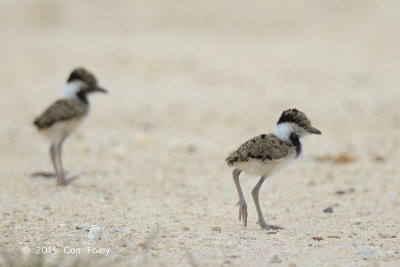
283, 130
72, 88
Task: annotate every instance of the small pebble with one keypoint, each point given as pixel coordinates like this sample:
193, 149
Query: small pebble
185, 228
95, 232
235, 256
328, 210
383, 235
79, 227
275, 259
342, 192
379, 158
117, 230
216, 229
317, 238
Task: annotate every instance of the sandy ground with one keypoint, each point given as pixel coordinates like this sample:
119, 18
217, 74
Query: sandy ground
189, 82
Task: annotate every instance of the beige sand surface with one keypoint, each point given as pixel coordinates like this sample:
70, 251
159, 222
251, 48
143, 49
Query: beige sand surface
189, 81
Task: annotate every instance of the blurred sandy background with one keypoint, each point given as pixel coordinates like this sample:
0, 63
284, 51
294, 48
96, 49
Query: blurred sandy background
190, 81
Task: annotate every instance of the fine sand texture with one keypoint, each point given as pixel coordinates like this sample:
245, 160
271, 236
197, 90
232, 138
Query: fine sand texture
189, 81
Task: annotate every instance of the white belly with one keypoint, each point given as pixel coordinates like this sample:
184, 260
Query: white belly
59, 129
264, 168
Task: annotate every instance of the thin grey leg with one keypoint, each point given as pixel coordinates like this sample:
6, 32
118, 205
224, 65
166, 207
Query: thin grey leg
61, 177
242, 201
255, 193
53, 154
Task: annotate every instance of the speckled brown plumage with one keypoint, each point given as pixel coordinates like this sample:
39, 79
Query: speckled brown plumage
262, 147
65, 109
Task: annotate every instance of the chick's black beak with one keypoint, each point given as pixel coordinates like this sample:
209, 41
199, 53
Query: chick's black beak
99, 89
314, 131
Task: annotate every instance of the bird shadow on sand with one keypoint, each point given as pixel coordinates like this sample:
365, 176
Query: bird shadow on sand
51, 175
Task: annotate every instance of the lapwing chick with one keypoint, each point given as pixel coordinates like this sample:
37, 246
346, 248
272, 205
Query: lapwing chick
63, 117
266, 154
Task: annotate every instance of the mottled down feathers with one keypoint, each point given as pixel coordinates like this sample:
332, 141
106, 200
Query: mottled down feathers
262, 147
65, 109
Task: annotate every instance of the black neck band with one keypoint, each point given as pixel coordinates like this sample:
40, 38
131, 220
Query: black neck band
294, 138
82, 97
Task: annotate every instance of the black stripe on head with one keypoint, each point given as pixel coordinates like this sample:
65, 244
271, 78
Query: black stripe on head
295, 116
288, 116
74, 76
81, 74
